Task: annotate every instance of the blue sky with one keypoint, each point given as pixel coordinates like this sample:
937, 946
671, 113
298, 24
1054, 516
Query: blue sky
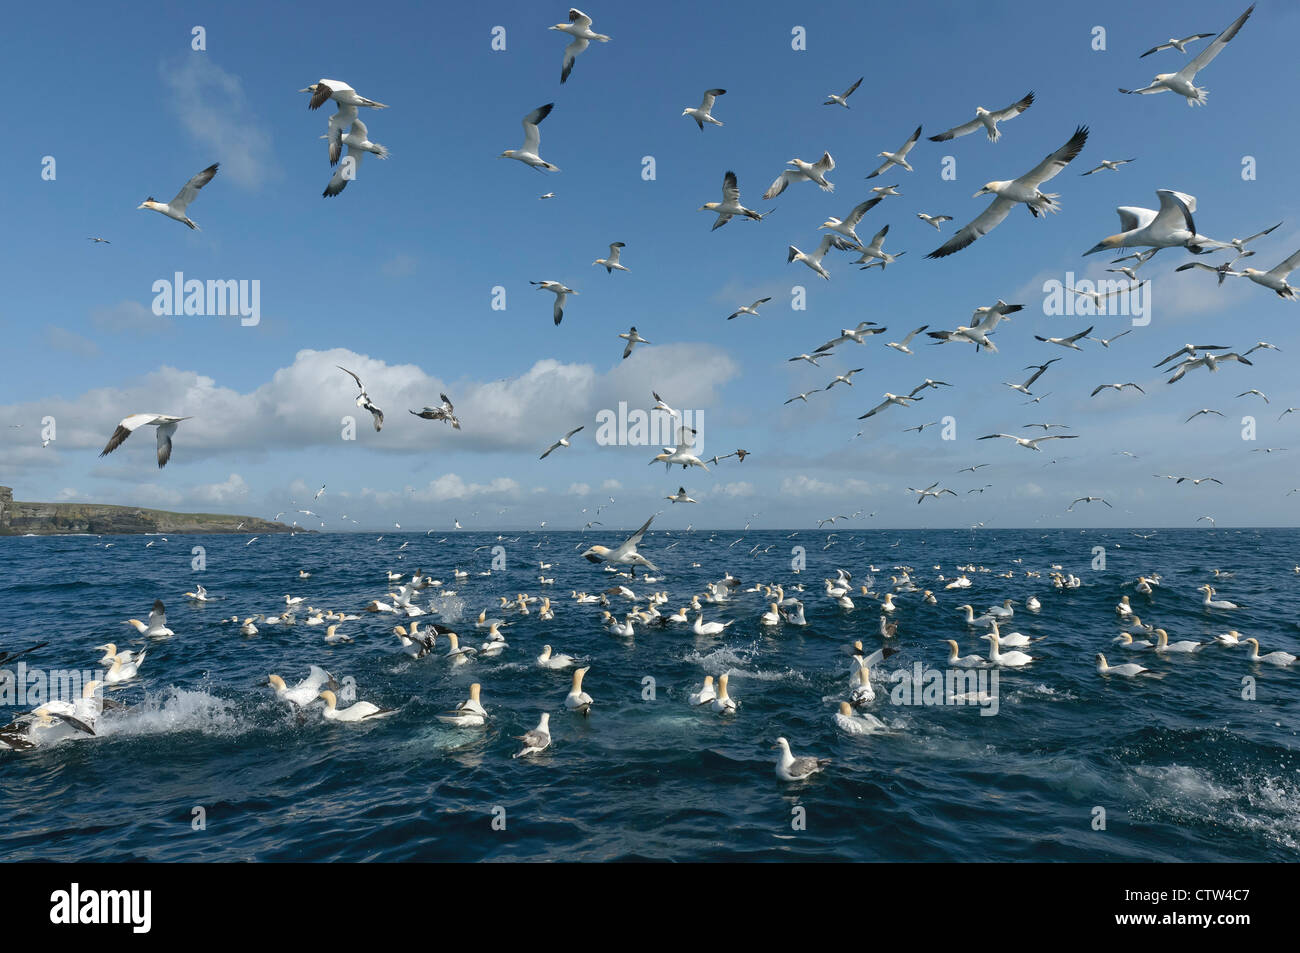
394, 277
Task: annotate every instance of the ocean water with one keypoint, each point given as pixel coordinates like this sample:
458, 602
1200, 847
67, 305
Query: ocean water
1184, 767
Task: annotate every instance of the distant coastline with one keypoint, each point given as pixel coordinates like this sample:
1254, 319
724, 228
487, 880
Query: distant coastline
18, 518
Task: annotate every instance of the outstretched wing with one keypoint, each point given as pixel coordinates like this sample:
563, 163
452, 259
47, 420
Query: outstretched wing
983, 223
532, 135
165, 432
125, 429
191, 189
1214, 47
1058, 160
1015, 109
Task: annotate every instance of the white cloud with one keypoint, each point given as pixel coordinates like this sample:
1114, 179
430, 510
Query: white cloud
578, 489
215, 112
233, 488
448, 487
129, 316
806, 486
61, 339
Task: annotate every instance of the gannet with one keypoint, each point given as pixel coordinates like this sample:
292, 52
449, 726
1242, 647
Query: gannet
810, 358
898, 158
578, 700
935, 220
625, 553
248, 629
358, 142
1039, 370
1171, 226
1128, 669
875, 250
561, 296
175, 209
306, 691
709, 628
1213, 603
1183, 82
752, 309
849, 224
1119, 387
548, 659
1014, 191
1006, 659
803, 172
903, 344
1207, 360
854, 724
814, 258
363, 400
469, 713
360, 711
704, 112
843, 98
198, 595
857, 335
578, 27
1272, 658
923, 493
1275, 278
332, 636
456, 655
845, 378
889, 401
157, 627
1003, 611
1176, 44
539, 739
680, 496
1071, 341
1126, 641
527, 153
612, 262
1012, 640
165, 423
884, 190
790, 768
99, 241
861, 692
1164, 645
343, 94
989, 119
633, 339
728, 208
962, 661
122, 671
1106, 342
706, 693
723, 702
444, 412
562, 442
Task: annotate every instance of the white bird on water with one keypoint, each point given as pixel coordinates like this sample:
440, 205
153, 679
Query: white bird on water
803, 172
306, 691
539, 739
175, 209
790, 768
157, 627
706, 693
528, 152
988, 119
578, 27
704, 112
1183, 82
165, 423
360, 711
1128, 669
578, 700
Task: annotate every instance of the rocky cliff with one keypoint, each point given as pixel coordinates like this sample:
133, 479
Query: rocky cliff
46, 519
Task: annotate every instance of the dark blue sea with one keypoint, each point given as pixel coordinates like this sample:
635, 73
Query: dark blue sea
1199, 765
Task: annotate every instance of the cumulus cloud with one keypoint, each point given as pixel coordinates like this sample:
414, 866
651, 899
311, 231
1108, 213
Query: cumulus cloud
232, 489
448, 487
806, 486
61, 339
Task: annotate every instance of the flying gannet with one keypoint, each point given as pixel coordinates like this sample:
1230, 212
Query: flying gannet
935, 220
1183, 82
625, 553
843, 98
875, 250
578, 27
562, 442
363, 400
730, 206
903, 345
165, 423
358, 142
989, 119
175, 209
849, 224
803, 172
612, 262
748, 309
343, 94
814, 258
1169, 227
633, 339
1111, 164
444, 412
561, 296
527, 153
704, 112
898, 158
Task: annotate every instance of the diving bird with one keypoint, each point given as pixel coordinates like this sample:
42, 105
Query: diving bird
1183, 82
843, 98
612, 262
898, 158
443, 412
578, 27
165, 423
803, 172
704, 112
527, 153
988, 119
1012, 192
633, 339
175, 209
1111, 164
364, 401
730, 205
343, 94
561, 296
750, 309
1169, 227
625, 553
562, 442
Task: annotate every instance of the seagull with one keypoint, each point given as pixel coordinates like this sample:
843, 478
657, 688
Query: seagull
680, 496
930, 491
539, 739
612, 262
364, 401
935, 220
989, 119
1027, 442
902, 345
175, 209
730, 205
1203, 410
790, 768
527, 153
1087, 499
578, 27
889, 401
1069, 342
848, 225
1119, 387
562, 442
165, 423
625, 553
340, 92
1039, 369
844, 378
561, 295
813, 259
1275, 278
750, 309
1169, 227
443, 412
1106, 342
803, 171
1111, 164
633, 339
898, 158
704, 113
842, 99
876, 250
1183, 81
1173, 44
358, 142
1012, 192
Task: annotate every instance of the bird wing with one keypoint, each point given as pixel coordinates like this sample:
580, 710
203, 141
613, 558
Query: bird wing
532, 135
862, 209
913, 334
634, 540
571, 55
191, 188
782, 183
360, 386
1286, 267
340, 121
579, 19
824, 164
165, 432
983, 223
557, 312
849, 92
965, 129
1015, 109
573, 431
1214, 47
125, 429
1175, 211
1247, 241
710, 96
907, 146
614, 252
1058, 160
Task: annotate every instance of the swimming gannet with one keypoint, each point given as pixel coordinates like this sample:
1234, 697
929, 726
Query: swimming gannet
861, 692
790, 768
539, 739
456, 655
1215, 603
1183, 81
722, 702
1164, 645
706, 693
898, 158
962, 661
988, 119
1012, 192
578, 27
175, 209
111, 654
550, 660
803, 172
198, 595
856, 724
1128, 669
157, 627
1007, 659
165, 423
1272, 658
124, 671
306, 691
527, 153
709, 628
578, 700
360, 711
625, 553
469, 713
704, 112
